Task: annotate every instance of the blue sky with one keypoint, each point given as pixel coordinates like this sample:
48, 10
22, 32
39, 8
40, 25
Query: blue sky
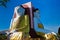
49, 13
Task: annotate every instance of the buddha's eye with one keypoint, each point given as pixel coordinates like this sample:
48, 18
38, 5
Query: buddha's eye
21, 11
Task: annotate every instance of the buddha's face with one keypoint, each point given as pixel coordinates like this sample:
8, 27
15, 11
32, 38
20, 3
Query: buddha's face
21, 11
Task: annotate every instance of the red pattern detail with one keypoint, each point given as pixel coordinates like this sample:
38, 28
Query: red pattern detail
14, 15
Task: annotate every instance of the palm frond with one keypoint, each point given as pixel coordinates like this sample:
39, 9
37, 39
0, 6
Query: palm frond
5, 0
2, 4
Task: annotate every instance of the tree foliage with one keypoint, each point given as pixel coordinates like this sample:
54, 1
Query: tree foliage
3, 3
3, 37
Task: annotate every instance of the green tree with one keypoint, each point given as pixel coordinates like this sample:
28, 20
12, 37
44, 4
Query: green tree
59, 31
58, 34
3, 37
3, 3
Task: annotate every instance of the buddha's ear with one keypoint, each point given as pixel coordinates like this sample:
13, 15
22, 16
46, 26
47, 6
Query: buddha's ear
35, 10
21, 6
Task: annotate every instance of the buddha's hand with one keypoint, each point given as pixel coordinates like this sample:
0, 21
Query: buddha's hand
51, 36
